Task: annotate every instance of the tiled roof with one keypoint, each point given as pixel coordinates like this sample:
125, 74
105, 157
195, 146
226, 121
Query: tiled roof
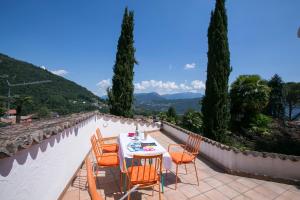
16, 137
20, 136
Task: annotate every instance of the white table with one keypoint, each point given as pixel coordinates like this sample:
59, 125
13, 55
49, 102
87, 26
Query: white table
124, 152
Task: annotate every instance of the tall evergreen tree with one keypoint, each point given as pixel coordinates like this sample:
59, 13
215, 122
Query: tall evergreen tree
215, 105
120, 96
275, 106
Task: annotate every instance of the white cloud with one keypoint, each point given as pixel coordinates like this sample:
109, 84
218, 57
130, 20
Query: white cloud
198, 85
162, 87
43, 67
190, 66
102, 86
60, 72
104, 83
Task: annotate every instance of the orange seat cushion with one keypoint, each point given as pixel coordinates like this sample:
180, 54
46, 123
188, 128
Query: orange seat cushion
110, 148
177, 157
108, 160
143, 175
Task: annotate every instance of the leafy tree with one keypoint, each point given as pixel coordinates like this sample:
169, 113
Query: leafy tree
162, 116
215, 107
171, 115
192, 120
19, 102
275, 107
120, 96
249, 95
292, 97
43, 112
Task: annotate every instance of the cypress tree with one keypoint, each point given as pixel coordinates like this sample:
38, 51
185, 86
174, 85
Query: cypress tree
275, 107
120, 96
215, 104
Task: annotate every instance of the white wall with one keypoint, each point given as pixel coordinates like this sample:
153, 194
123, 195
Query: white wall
42, 171
112, 127
239, 162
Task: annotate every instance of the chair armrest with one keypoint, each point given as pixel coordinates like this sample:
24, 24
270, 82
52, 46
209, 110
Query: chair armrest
170, 145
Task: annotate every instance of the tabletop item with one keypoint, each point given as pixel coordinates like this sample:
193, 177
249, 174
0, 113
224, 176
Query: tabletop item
131, 134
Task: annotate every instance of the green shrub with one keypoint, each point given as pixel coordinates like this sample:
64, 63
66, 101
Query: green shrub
260, 124
192, 120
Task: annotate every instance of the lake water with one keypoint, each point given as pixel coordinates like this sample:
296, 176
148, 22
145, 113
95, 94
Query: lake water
294, 113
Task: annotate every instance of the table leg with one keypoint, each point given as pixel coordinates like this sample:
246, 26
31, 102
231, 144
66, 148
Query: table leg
162, 182
124, 182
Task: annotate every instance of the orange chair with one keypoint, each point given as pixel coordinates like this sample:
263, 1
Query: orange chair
105, 159
109, 148
91, 181
188, 155
145, 171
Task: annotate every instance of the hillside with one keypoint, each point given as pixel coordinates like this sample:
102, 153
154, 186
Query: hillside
61, 95
148, 97
183, 95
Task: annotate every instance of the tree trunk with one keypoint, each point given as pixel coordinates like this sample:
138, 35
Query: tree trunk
18, 114
290, 111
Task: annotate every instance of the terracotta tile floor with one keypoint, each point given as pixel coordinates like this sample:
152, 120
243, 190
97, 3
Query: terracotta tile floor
214, 184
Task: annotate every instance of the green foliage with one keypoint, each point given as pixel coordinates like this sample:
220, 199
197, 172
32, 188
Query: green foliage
275, 107
292, 96
162, 116
171, 115
56, 96
19, 102
43, 112
260, 124
249, 95
120, 96
192, 120
215, 106
2, 106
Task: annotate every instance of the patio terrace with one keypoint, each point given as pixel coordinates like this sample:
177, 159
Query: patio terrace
215, 183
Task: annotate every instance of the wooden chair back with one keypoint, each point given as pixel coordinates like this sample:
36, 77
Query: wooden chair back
99, 135
95, 146
148, 167
91, 181
193, 143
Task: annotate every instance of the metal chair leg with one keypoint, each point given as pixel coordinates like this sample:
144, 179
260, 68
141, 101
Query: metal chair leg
176, 177
196, 173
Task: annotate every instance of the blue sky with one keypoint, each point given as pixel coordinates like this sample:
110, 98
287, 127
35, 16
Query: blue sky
78, 39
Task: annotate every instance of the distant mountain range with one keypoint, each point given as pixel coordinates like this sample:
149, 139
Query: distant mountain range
156, 96
183, 95
154, 102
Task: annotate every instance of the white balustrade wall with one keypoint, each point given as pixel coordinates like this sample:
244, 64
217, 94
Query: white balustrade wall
251, 163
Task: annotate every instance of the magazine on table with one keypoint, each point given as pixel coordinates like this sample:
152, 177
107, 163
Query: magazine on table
141, 146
